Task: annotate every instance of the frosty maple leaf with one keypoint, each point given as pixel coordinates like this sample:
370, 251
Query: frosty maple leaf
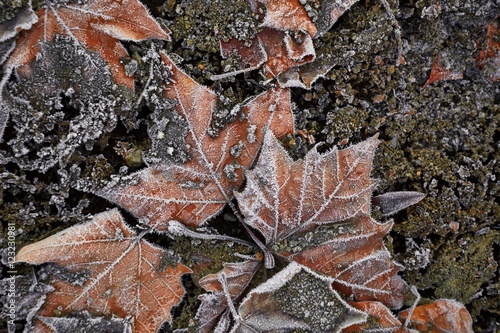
198, 189
283, 196
97, 25
126, 275
284, 199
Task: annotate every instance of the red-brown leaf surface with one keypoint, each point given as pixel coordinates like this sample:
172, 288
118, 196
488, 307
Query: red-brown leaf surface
285, 198
441, 316
126, 274
237, 276
97, 25
198, 189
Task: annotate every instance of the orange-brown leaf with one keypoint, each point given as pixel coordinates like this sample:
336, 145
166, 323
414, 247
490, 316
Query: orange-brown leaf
126, 274
441, 316
97, 25
194, 191
275, 49
489, 56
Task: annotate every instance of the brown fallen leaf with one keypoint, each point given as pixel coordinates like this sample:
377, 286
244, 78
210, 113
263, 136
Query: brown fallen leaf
441, 316
96, 25
359, 263
283, 196
124, 275
286, 201
198, 189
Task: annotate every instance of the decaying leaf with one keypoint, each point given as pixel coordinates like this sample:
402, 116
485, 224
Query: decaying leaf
236, 277
359, 263
284, 199
284, 42
198, 189
441, 316
97, 25
121, 274
331, 11
295, 298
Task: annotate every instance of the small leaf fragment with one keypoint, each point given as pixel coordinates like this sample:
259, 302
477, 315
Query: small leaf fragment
380, 320
392, 202
123, 273
440, 72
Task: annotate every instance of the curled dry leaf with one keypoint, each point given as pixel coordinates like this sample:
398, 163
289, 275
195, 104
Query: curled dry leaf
285, 200
96, 25
126, 276
295, 298
441, 316
236, 277
198, 189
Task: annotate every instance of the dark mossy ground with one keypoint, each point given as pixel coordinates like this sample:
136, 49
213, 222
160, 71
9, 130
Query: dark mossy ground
442, 140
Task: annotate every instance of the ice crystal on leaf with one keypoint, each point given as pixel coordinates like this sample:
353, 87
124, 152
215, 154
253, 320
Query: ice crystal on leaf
194, 191
126, 274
